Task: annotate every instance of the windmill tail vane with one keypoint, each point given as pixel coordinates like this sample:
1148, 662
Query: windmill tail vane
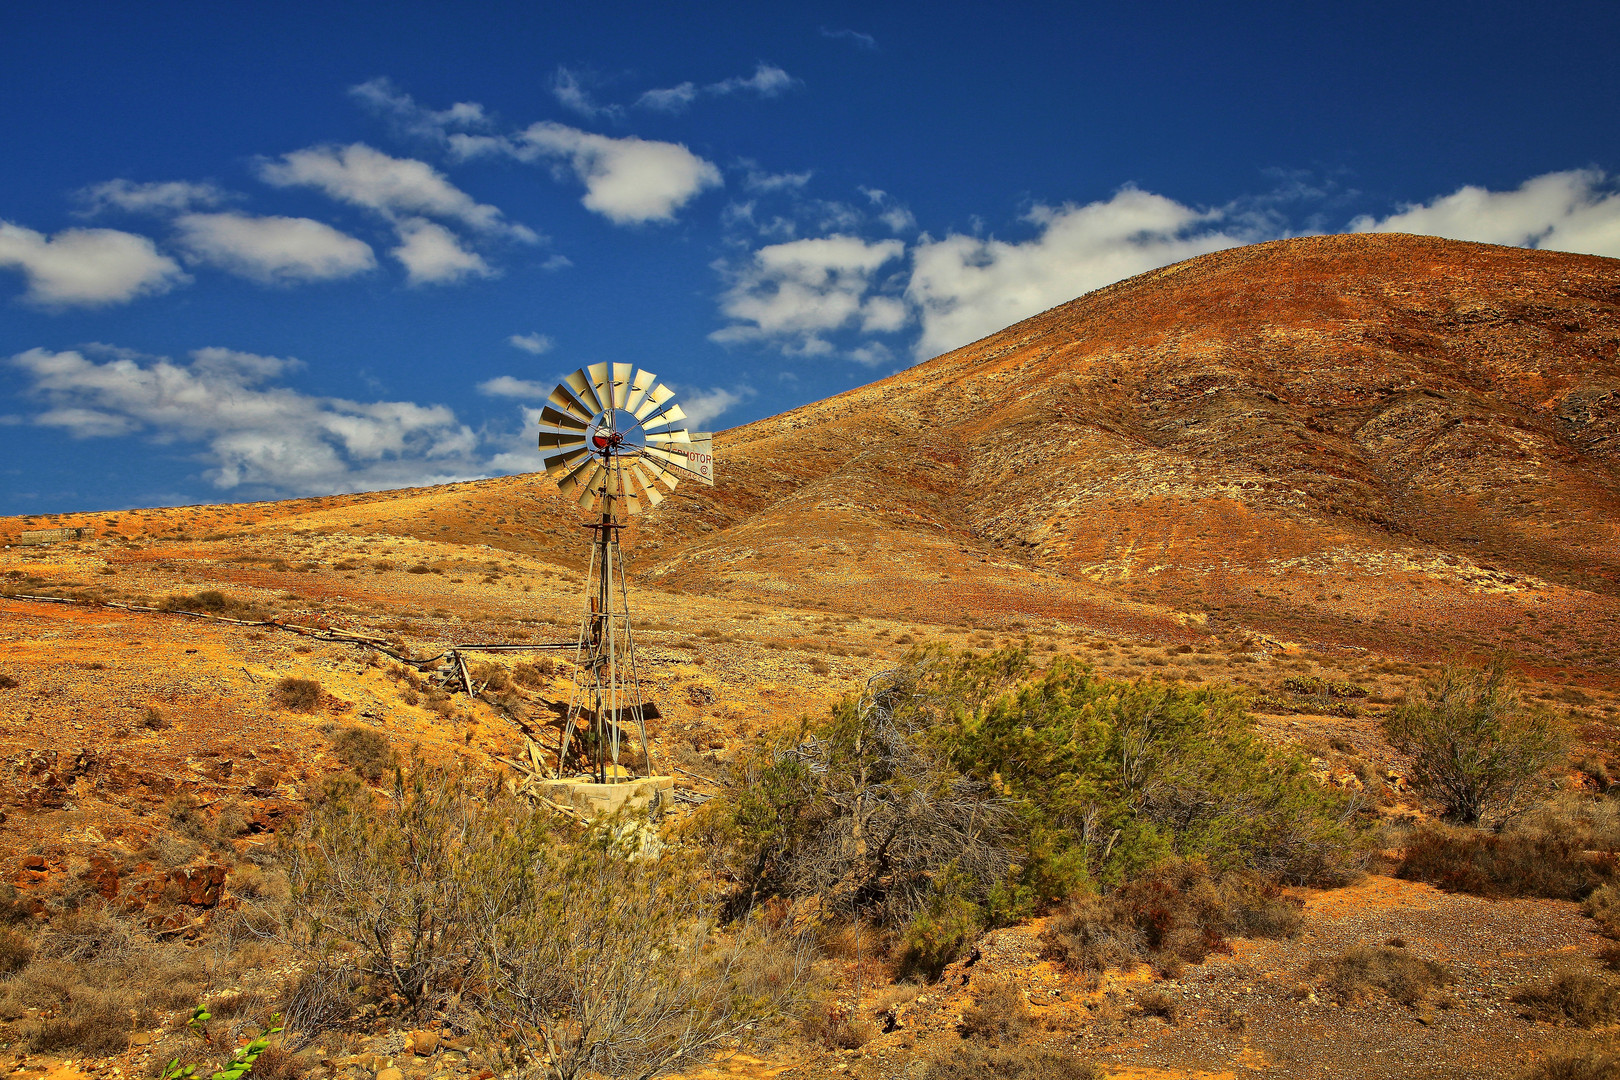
613, 437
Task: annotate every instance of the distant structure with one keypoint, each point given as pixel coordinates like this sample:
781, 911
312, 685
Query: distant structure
611, 434
51, 536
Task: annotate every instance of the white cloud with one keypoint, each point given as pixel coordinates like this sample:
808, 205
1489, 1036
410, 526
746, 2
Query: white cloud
86, 267
628, 180
792, 294
264, 436
273, 249
758, 180
382, 97
533, 344
509, 386
433, 255
393, 187
174, 196
672, 99
1577, 210
767, 81
703, 406
965, 287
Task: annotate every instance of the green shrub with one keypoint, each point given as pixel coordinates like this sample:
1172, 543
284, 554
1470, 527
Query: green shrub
1474, 747
1111, 777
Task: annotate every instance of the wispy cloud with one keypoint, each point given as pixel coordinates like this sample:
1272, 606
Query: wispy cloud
407, 193
86, 267
767, 81
854, 37
568, 87
173, 196
409, 119
513, 387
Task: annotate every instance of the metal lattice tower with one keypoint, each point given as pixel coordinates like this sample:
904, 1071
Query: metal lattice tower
611, 435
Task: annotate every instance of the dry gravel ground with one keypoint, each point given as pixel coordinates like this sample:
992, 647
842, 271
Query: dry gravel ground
1259, 1011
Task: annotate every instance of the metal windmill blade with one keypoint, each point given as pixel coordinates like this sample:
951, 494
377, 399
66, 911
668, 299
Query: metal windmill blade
611, 434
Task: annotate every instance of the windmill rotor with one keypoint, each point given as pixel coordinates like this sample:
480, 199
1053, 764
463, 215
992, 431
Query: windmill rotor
612, 433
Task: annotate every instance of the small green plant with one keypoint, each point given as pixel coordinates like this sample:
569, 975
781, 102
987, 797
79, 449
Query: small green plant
241, 1062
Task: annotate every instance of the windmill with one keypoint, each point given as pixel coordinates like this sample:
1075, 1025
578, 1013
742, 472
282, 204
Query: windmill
610, 436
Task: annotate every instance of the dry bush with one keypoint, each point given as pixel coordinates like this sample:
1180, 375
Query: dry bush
1577, 1065
299, 695
278, 1064
998, 1012
15, 952
1557, 853
1573, 997
153, 719
318, 1001
825, 1022
95, 975
1158, 1003
1355, 974
363, 750
1177, 913
977, 1063
8, 683
210, 602
1603, 906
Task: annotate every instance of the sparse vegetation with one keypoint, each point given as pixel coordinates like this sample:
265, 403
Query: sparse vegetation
998, 1012
1475, 747
210, 602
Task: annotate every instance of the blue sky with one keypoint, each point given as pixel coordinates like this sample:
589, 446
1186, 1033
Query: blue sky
258, 250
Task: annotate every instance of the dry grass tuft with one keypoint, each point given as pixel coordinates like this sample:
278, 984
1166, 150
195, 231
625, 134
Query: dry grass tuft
978, 1063
1573, 997
1355, 974
998, 1012
299, 695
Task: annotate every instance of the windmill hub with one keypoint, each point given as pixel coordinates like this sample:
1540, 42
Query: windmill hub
611, 468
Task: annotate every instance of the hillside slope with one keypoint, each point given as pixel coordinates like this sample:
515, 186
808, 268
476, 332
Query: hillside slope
1390, 442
